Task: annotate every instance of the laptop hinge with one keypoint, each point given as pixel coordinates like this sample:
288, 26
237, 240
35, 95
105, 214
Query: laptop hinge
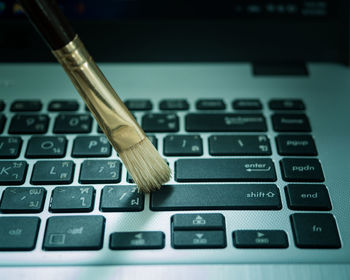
280, 69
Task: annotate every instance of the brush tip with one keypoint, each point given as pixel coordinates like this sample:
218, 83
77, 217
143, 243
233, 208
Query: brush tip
145, 165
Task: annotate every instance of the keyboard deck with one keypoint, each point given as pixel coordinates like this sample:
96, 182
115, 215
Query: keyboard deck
247, 185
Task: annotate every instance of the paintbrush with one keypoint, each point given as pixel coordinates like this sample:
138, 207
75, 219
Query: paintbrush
145, 165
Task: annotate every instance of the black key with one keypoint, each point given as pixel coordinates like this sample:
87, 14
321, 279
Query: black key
286, 104
18, 233
198, 222
224, 170
315, 231
183, 145
198, 239
23, 200
73, 123
260, 239
74, 233
160, 122
13, 172
301, 169
121, 199
210, 104
10, 147
291, 123
308, 197
63, 105
91, 146
289, 145
53, 172
2, 105
247, 104
174, 104
29, 124
216, 197
240, 145
225, 122
72, 199
26, 106
153, 140
100, 171
2, 122
139, 104
46, 147
137, 240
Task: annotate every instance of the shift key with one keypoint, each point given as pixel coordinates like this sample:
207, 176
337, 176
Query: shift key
225, 170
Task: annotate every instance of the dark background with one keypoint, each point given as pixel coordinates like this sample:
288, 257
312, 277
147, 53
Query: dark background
267, 31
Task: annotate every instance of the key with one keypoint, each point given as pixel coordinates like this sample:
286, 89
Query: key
52, 172
100, 171
10, 147
18, 233
139, 104
247, 104
240, 145
224, 170
160, 122
308, 197
121, 199
23, 200
72, 199
291, 123
198, 239
26, 106
137, 240
74, 233
286, 104
301, 169
153, 140
290, 145
183, 145
173, 104
198, 222
46, 147
2, 105
63, 105
2, 122
225, 122
315, 231
13, 172
260, 239
73, 123
216, 197
29, 124
91, 146
210, 104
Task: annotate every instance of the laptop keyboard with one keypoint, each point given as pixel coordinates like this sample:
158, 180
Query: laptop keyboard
55, 160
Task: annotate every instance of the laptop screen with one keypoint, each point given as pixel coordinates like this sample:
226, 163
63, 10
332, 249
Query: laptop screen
239, 30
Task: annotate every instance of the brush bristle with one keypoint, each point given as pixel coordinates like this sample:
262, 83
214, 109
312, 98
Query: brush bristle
145, 165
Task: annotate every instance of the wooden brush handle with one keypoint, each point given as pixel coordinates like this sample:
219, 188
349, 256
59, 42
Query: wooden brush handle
50, 22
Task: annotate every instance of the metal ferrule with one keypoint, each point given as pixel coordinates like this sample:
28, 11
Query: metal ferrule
114, 118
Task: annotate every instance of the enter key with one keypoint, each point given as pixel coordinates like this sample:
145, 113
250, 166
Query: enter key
225, 170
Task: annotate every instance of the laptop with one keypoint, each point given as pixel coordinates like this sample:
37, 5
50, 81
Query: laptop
246, 100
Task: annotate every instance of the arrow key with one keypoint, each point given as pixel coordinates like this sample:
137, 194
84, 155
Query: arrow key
260, 239
137, 240
198, 221
198, 239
